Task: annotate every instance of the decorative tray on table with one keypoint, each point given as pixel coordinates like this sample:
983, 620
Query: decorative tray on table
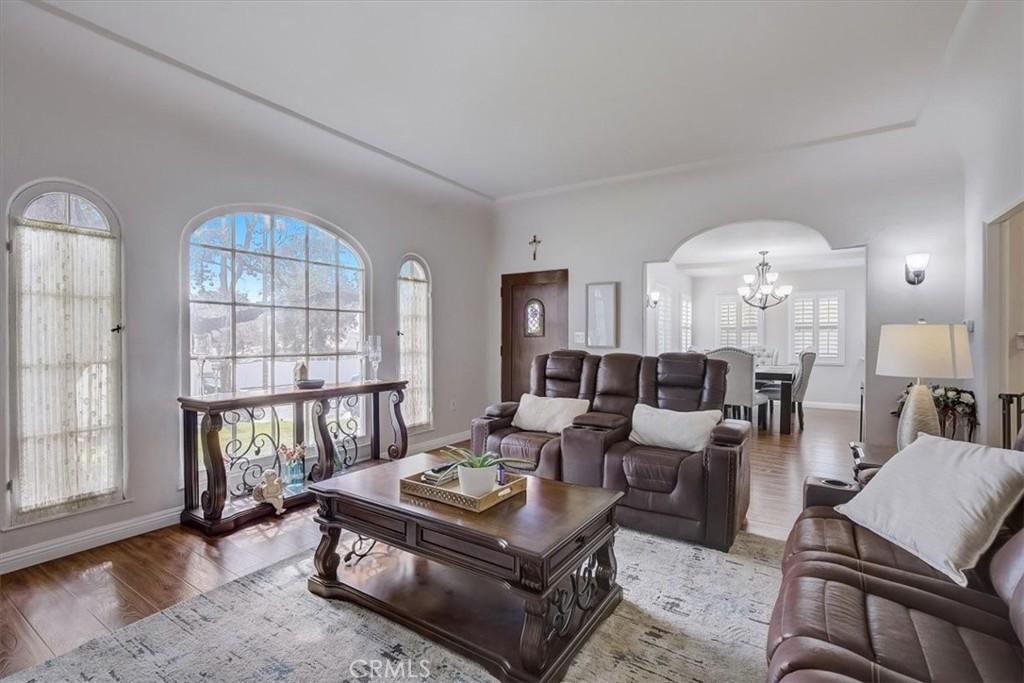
450, 494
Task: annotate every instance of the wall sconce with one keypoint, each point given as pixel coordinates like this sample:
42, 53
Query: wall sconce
653, 298
915, 267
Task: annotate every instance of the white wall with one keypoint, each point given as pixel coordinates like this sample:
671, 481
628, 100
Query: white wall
896, 193
672, 279
978, 106
162, 146
836, 385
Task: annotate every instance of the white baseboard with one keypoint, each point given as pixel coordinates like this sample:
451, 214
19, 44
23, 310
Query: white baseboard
438, 442
84, 540
825, 405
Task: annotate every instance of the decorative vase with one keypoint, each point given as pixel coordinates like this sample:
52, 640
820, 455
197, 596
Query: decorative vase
918, 415
476, 481
295, 472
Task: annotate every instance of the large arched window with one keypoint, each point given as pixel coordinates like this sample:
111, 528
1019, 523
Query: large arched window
267, 290
414, 345
66, 354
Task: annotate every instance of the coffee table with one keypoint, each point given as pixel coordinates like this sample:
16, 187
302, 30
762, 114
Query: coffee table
518, 588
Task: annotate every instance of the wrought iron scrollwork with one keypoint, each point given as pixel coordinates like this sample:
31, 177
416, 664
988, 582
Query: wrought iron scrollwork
242, 457
360, 548
344, 431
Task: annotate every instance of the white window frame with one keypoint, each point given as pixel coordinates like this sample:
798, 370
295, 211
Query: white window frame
184, 293
685, 322
429, 424
19, 203
816, 297
739, 328
664, 314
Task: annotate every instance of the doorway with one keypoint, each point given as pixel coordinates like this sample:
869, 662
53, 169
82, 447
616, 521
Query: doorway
534, 320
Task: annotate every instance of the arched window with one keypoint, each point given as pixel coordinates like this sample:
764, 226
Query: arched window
414, 344
66, 353
267, 290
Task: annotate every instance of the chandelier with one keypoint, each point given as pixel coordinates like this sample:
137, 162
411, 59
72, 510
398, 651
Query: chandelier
759, 289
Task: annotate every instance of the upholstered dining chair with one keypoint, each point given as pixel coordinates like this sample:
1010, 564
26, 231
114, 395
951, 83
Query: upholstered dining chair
764, 355
740, 394
805, 364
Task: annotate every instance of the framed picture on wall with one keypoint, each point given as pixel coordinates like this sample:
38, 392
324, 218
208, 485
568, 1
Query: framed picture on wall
603, 315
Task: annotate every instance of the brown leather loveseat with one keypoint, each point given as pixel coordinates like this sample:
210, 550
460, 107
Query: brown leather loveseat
855, 607
701, 497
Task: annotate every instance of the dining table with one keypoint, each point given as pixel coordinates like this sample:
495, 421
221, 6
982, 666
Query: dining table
784, 375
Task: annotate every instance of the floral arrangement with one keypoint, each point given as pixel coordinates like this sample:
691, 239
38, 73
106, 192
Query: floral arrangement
957, 408
291, 453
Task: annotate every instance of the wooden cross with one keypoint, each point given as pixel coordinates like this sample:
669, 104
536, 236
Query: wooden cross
535, 243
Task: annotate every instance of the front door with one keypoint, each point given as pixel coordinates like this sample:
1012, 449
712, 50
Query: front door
534, 320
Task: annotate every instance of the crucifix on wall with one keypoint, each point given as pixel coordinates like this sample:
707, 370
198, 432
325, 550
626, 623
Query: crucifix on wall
535, 243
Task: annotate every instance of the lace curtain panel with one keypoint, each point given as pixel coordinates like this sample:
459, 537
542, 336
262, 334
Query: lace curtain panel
66, 371
414, 348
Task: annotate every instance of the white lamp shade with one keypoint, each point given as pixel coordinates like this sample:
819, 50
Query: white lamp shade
936, 351
784, 290
654, 296
749, 279
743, 291
917, 262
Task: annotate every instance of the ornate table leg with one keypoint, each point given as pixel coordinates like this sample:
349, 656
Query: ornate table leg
190, 427
324, 466
607, 567
573, 606
326, 559
216, 477
401, 445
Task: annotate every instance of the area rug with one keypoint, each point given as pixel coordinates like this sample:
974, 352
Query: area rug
688, 614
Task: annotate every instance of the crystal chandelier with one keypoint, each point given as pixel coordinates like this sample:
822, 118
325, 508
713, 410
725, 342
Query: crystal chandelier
759, 290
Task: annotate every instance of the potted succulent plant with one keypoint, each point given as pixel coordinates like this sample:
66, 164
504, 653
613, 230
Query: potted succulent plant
478, 472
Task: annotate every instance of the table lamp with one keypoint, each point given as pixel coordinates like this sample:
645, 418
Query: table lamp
922, 350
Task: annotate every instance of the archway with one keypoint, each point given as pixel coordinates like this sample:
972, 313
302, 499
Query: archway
693, 303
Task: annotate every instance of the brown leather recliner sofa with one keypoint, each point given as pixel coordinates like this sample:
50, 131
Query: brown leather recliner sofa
560, 374
855, 607
696, 496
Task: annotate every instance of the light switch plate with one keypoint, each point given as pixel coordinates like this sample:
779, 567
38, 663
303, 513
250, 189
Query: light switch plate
579, 337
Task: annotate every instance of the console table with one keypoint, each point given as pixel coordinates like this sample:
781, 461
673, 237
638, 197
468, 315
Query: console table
234, 468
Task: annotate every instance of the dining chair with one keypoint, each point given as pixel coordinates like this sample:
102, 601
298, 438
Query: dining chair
764, 355
740, 395
805, 364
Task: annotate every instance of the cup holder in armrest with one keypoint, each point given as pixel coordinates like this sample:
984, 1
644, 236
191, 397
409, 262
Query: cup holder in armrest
828, 492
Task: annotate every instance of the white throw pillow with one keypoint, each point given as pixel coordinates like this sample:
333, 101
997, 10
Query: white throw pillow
552, 415
672, 428
941, 500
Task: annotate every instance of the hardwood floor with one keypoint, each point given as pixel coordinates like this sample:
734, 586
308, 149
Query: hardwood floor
780, 463
54, 607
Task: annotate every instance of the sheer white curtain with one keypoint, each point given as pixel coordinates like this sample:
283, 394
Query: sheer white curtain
67, 372
414, 342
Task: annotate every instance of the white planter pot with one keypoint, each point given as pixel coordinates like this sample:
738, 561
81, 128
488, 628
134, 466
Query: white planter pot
476, 481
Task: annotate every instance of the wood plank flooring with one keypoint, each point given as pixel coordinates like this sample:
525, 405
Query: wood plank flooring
54, 607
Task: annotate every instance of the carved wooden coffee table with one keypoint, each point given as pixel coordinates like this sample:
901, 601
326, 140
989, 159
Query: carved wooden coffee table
518, 588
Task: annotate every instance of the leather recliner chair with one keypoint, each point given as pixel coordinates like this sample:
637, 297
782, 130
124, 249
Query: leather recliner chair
560, 374
694, 496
